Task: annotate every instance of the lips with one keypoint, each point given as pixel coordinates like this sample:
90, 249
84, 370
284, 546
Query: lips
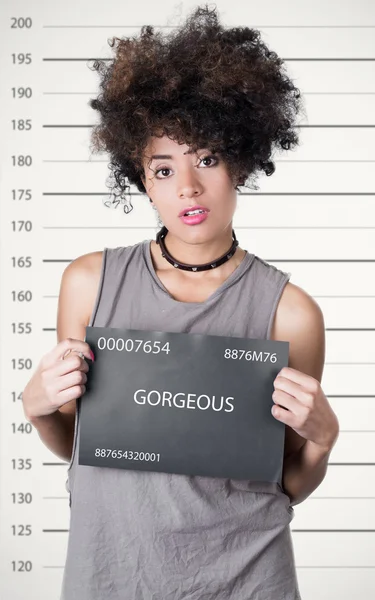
191, 208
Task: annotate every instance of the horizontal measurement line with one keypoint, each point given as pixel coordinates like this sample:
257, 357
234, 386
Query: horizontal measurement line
310, 498
343, 296
87, 160
330, 464
337, 567
309, 126
302, 567
316, 26
291, 260
173, 26
304, 93
322, 260
311, 296
241, 194
327, 329
55, 530
288, 59
297, 160
292, 530
333, 530
297, 567
130, 227
330, 59
55, 497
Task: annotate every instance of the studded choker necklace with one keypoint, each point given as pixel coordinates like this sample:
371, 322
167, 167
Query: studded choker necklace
208, 266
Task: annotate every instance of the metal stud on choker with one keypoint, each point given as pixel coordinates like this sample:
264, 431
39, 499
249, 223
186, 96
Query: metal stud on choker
208, 266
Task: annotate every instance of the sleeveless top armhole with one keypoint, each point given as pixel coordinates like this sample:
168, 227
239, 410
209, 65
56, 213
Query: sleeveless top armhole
283, 280
100, 287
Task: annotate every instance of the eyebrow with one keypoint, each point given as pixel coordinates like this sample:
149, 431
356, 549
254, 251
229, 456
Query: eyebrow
166, 156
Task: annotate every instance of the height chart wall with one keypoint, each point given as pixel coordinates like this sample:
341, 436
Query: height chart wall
315, 218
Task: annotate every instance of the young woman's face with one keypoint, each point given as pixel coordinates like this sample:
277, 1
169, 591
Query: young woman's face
183, 181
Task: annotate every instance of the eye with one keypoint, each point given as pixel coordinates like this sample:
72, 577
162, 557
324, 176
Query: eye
161, 169
211, 157
208, 157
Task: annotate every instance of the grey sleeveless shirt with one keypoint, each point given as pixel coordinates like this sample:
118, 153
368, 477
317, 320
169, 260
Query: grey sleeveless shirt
138, 535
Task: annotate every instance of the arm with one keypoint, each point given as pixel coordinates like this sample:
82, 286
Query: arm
304, 471
300, 321
56, 432
77, 295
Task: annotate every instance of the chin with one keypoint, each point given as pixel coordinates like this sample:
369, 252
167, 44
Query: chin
197, 234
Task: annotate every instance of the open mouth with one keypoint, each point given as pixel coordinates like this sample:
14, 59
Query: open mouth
190, 213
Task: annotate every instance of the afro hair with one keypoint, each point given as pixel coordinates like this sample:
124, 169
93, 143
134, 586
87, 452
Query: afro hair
203, 85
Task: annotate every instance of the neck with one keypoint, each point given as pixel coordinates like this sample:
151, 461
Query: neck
198, 253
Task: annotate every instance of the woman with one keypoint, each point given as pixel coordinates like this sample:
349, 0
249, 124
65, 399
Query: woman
187, 118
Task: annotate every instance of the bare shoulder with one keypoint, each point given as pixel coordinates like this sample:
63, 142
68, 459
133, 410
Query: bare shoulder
78, 291
80, 281
297, 315
299, 320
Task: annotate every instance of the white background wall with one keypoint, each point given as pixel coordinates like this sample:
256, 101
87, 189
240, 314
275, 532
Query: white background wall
315, 218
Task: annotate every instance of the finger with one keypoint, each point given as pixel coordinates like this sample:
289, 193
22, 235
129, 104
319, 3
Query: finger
68, 344
70, 380
73, 362
301, 394
286, 401
69, 350
71, 393
295, 375
288, 386
285, 416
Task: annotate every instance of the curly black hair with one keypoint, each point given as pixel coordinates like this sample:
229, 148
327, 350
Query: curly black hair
202, 85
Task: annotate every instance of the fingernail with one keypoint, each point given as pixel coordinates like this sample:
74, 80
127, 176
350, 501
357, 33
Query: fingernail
92, 355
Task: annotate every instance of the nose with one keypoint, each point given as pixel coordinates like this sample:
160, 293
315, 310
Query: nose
189, 184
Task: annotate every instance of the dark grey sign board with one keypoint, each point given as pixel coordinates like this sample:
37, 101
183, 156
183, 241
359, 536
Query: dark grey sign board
182, 403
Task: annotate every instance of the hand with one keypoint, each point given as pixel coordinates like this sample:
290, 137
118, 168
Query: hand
309, 412
56, 381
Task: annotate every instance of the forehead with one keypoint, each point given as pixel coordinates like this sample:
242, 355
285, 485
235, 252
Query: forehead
165, 145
